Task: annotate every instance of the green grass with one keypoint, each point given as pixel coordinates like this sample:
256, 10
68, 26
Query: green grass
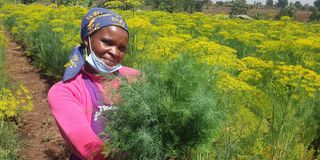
8, 141
2, 72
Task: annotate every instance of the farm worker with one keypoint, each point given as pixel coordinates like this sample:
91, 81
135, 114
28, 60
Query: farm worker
88, 83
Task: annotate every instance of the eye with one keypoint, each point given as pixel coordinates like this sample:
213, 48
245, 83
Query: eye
107, 42
122, 48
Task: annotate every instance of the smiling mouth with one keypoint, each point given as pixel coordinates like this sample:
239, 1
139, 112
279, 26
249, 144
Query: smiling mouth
110, 62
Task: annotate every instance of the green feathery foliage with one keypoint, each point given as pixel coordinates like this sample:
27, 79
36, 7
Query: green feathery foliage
169, 112
8, 141
8, 138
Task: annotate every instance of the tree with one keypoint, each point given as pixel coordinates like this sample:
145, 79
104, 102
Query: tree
178, 5
27, 1
219, 3
193, 5
207, 3
166, 5
269, 3
312, 8
238, 7
257, 4
86, 3
298, 4
315, 16
305, 7
317, 3
287, 11
282, 3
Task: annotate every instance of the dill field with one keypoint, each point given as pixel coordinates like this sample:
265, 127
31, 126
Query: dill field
212, 87
14, 99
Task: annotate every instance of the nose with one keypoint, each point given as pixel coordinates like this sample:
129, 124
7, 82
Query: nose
115, 54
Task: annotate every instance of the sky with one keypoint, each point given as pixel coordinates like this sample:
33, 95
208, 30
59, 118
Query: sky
310, 2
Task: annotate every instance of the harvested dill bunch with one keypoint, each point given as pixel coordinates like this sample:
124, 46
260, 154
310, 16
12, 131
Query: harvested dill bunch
170, 111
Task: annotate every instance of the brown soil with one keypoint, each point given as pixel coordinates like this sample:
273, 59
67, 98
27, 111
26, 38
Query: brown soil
40, 137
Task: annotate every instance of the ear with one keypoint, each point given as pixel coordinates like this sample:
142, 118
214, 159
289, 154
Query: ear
85, 42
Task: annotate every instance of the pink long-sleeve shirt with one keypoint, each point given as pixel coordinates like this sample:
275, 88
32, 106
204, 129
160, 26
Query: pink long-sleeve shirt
71, 105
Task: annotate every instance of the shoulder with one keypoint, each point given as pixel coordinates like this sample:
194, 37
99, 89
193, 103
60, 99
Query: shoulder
69, 87
58, 87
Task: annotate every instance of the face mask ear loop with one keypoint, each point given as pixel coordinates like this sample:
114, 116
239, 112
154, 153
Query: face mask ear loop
85, 49
90, 45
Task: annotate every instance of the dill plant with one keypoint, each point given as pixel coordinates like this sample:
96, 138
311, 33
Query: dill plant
13, 101
8, 138
170, 112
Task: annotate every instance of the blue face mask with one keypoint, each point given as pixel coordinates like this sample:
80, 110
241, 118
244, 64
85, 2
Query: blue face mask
98, 64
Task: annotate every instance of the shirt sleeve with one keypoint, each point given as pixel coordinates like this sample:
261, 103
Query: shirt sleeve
73, 124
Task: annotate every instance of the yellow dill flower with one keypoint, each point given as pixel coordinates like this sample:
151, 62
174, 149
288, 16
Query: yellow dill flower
285, 18
13, 103
256, 63
227, 83
298, 77
244, 122
249, 75
296, 96
57, 30
139, 23
56, 22
306, 44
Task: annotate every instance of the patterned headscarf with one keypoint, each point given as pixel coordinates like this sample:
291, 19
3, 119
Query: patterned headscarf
94, 20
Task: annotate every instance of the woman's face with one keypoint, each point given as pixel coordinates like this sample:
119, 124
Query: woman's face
109, 44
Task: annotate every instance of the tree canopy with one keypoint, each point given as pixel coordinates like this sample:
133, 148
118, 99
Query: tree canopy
238, 7
282, 3
177, 5
317, 3
269, 3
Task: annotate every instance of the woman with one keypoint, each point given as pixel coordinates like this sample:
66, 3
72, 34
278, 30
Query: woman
88, 83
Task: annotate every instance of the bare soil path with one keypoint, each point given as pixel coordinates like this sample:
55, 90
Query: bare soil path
39, 134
